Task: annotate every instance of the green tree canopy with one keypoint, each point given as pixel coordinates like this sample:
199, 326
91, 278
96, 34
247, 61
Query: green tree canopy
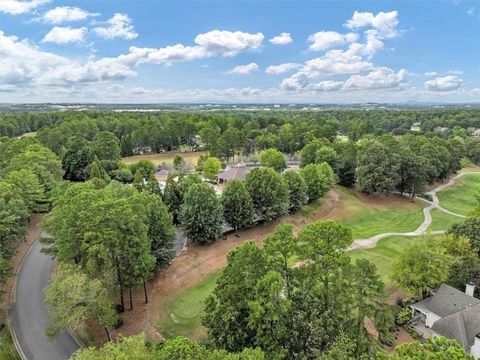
297, 190
106, 146
317, 179
211, 167
269, 193
201, 214
73, 297
274, 159
237, 204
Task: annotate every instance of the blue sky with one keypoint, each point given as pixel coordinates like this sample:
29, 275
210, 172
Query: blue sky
239, 51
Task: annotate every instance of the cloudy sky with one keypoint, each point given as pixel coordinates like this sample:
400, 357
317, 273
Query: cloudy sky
239, 51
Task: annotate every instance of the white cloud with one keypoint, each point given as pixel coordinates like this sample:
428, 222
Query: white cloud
327, 85
323, 40
65, 35
119, 26
62, 14
282, 39
430, 73
213, 43
445, 83
169, 54
455, 72
16, 7
229, 43
244, 69
24, 64
380, 78
336, 62
282, 68
384, 23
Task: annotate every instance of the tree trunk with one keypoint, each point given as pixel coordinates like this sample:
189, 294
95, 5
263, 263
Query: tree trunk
131, 302
145, 291
120, 283
108, 334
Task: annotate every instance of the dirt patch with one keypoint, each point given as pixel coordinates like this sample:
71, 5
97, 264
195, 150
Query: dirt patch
33, 231
401, 337
197, 263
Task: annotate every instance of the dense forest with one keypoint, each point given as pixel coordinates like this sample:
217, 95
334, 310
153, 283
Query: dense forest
113, 227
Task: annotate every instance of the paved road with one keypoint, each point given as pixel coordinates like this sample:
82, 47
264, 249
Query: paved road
28, 315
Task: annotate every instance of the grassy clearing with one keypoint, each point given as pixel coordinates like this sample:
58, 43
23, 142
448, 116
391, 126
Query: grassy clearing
180, 314
442, 220
158, 159
384, 254
183, 312
7, 349
367, 217
461, 196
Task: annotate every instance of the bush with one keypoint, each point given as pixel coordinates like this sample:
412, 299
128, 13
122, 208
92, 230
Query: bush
403, 316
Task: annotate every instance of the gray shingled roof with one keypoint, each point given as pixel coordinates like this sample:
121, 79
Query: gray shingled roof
447, 300
461, 326
236, 173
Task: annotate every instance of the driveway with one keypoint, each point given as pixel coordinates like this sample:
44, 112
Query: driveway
28, 315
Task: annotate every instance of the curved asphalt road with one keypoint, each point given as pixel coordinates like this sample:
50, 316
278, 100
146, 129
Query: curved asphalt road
28, 315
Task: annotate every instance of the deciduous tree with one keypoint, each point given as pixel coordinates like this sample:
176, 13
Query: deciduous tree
274, 159
269, 192
201, 214
237, 204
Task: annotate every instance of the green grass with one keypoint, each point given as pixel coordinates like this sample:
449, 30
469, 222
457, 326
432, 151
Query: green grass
366, 220
461, 197
384, 254
442, 220
7, 349
183, 312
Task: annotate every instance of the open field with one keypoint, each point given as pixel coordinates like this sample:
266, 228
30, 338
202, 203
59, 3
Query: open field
180, 312
442, 220
7, 349
157, 159
185, 310
369, 216
384, 254
461, 196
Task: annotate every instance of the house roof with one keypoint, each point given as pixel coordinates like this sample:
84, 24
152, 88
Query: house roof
447, 301
236, 173
162, 172
461, 326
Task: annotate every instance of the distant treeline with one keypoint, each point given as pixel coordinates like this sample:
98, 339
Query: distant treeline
165, 131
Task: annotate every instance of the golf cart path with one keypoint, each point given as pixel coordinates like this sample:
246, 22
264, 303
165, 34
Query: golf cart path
422, 229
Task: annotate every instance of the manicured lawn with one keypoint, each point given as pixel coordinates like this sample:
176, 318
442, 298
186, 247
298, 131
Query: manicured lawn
183, 312
367, 217
157, 159
461, 197
384, 254
7, 349
442, 220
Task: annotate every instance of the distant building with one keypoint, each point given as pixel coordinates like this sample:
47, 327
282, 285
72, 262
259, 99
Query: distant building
238, 172
162, 175
450, 313
440, 129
